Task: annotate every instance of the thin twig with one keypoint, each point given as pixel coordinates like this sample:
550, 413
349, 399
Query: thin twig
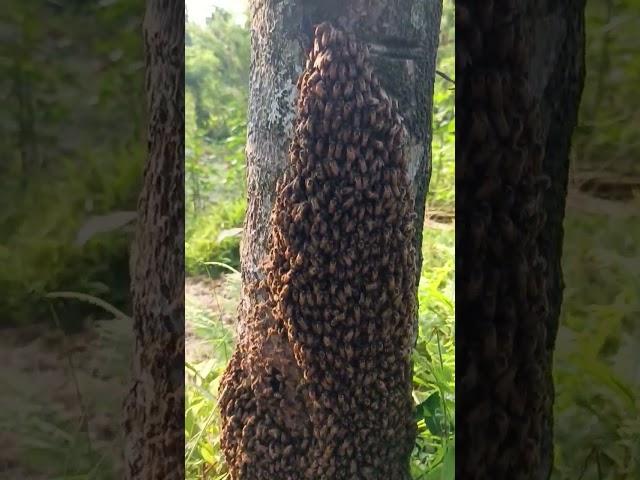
445, 76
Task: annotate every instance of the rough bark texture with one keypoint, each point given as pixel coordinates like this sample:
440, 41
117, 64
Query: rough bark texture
520, 73
559, 32
402, 38
154, 408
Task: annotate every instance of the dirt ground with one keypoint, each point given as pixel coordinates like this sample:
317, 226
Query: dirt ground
63, 398
207, 301
61, 408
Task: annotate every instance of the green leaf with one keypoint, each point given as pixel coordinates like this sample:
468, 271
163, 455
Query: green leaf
449, 464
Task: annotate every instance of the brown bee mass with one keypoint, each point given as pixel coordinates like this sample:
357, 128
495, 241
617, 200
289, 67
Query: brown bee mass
501, 314
326, 359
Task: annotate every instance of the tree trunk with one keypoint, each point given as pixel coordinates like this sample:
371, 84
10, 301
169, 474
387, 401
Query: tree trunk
154, 408
277, 399
520, 73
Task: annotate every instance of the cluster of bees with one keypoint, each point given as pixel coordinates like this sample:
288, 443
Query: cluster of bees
320, 386
502, 305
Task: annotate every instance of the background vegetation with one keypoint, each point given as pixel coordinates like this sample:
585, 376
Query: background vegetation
72, 140
218, 64
597, 373
72, 137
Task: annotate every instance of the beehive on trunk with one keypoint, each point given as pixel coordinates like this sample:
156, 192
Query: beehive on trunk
502, 302
325, 393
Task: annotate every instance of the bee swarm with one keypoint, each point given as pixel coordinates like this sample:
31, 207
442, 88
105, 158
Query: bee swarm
320, 386
502, 305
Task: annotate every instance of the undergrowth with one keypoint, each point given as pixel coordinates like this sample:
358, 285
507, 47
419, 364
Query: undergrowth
597, 412
434, 368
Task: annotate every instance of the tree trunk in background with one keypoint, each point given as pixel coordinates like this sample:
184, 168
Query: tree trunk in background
402, 36
520, 70
154, 408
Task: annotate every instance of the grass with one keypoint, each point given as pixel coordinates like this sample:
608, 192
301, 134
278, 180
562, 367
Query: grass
213, 235
434, 360
63, 415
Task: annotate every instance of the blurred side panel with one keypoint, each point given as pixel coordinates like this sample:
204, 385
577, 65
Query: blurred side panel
520, 73
73, 134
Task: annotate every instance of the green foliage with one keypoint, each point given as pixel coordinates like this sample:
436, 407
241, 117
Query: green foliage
72, 149
597, 383
40, 253
216, 89
441, 196
203, 458
434, 360
72, 144
214, 236
606, 138
217, 73
597, 426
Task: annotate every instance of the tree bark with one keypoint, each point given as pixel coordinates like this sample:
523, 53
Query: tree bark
154, 407
520, 74
402, 37
558, 89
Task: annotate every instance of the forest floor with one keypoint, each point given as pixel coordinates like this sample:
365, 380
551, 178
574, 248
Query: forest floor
210, 308
60, 411
596, 370
61, 402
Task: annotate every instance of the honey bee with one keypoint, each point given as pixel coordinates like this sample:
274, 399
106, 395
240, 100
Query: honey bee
360, 59
357, 117
351, 153
352, 47
333, 169
336, 123
500, 123
346, 133
348, 109
490, 185
342, 72
336, 91
332, 71
348, 89
505, 40
377, 144
479, 126
319, 90
478, 87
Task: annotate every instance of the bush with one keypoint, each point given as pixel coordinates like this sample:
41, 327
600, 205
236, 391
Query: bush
39, 253
214, 236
